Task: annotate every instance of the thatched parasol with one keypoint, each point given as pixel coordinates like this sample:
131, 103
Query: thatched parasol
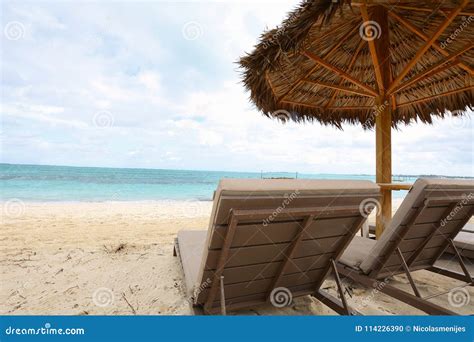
378, 63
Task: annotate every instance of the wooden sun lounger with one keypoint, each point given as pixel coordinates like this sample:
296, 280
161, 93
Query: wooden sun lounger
431, 215
272, 234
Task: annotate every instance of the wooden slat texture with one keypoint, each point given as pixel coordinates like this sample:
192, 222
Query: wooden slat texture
290, 253
299, 280
433, 214
434, 244
422, 230
418, 225
262, 202
267, 216
251, 301
271, 252
412, 244
279, 232
267, 270
430, 240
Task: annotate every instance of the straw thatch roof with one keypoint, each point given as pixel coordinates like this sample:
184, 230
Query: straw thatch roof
318, 64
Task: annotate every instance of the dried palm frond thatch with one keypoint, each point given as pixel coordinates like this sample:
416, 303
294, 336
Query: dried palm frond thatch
318, 64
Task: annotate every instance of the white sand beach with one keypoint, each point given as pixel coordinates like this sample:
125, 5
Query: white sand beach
116, 259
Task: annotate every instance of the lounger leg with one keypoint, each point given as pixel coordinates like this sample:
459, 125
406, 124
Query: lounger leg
461, 261
340, 306
448, 273
340, 288
407, 272
223, 310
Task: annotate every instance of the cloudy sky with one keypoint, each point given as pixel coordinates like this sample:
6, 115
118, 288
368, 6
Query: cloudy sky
155, 84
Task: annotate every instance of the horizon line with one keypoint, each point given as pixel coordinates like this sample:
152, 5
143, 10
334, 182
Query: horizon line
257, 172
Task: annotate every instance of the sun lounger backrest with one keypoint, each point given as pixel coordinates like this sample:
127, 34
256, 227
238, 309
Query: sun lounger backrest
256, 224
433, 211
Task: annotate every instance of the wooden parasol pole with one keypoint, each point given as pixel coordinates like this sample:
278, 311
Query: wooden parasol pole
380, 48
383, 149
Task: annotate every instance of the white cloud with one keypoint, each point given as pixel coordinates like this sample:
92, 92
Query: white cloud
51, 115
209, 138
151, 80
176, 103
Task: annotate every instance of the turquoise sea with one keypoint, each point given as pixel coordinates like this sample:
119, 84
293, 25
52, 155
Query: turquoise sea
66, 183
